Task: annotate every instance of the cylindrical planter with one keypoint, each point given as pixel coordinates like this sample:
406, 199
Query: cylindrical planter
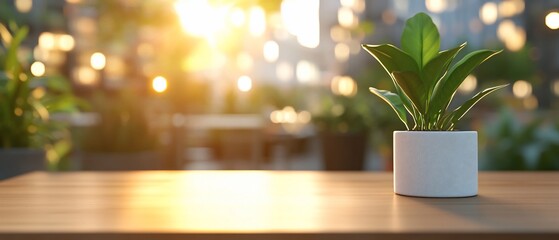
435, 163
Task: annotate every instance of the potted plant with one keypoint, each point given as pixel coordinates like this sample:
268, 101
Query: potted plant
343, 125
121, 139
29, 134
431, 158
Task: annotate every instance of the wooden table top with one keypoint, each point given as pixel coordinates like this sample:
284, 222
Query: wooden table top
269, 205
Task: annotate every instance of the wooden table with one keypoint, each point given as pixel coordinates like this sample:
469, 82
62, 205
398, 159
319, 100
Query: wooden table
270, 205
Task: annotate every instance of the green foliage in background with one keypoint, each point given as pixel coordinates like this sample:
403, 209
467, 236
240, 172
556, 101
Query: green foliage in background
424, 78
509, 65
341, 114
121, 126
28, 103
511, 144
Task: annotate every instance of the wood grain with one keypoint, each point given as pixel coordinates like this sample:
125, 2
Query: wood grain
266, 205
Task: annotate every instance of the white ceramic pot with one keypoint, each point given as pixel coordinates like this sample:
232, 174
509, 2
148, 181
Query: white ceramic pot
435, 164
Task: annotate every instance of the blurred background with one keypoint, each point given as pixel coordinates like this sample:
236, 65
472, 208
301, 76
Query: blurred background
255, 84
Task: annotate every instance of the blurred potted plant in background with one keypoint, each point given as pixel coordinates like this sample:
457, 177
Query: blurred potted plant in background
511, 144
343, 123
121, 139
29, 134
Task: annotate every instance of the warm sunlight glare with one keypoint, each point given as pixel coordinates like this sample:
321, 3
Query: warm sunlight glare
244, 61
301, 19
257, 21
159, 84
199, 18
237, 17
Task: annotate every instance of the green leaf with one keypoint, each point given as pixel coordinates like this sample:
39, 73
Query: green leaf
413, 87
438, 66
459, 112
395, 103
446, 88
391, 58
41, 110
421, 39
5, 35
12, 62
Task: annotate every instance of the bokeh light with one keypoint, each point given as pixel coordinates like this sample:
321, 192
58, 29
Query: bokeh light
341, 51
244, 61
521, 89
257, 21
237, 17
38, 69
436, 6
343, 85
244, 83
552, 20
200, 18
488, 13
284, 71
301, 19
530, 102
306, 72
271, 51
469, 85
159, 84
46, 40
85, 75
304, 117
66, 42
346, 18
98, 61
555, 87
24, 6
